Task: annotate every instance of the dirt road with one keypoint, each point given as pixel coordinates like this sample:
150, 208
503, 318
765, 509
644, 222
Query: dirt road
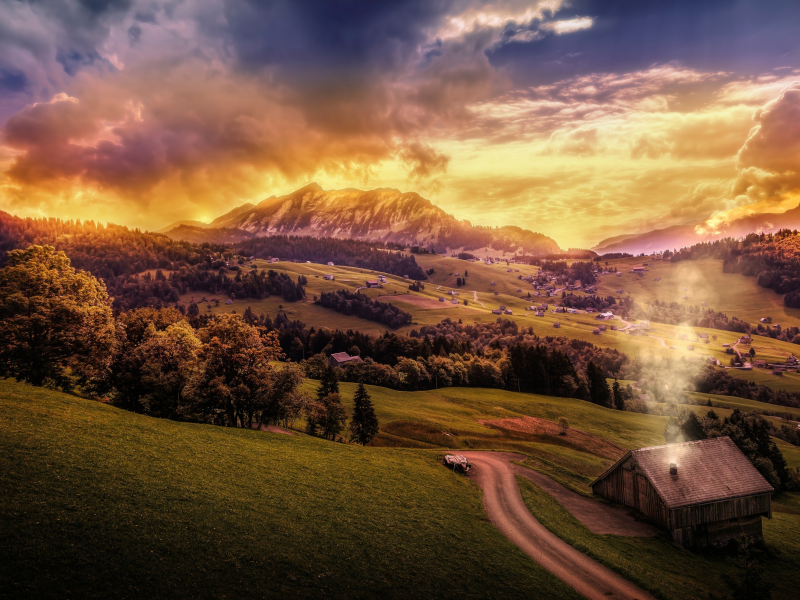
494, 472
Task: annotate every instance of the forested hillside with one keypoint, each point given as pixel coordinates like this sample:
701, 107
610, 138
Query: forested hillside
121, 257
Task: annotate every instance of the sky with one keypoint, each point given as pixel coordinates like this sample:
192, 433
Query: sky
580, 119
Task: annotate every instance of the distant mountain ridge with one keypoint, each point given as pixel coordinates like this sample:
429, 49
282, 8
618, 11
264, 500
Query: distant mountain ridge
680, 236
382, 214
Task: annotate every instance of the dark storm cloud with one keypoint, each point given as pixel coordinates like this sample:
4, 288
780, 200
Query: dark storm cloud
312, 37
12, 80
629, 35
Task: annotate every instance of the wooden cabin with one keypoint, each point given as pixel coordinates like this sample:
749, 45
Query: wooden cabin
705, 493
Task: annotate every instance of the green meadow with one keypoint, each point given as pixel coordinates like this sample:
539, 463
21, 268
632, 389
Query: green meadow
98, 502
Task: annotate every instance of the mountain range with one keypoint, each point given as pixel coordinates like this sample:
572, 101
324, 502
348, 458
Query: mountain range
382, 214
694, 232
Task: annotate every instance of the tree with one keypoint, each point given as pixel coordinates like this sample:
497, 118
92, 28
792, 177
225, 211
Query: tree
56, 323
364, 424
599, 392
326, 416
748, 583
233, 382
163, 364
328, 382
616, 392
563, 424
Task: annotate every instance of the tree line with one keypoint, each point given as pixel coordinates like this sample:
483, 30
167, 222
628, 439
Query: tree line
364, 307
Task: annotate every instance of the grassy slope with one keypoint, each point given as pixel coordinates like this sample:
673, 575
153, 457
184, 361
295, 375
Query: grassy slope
663, 568
97, 502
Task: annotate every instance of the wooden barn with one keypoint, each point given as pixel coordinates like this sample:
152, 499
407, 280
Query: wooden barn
705, 493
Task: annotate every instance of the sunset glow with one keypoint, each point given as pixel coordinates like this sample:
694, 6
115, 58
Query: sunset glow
581, 120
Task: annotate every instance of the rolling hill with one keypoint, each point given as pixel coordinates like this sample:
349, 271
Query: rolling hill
383, 214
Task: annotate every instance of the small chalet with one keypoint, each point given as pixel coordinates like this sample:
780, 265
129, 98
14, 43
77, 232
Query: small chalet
373, 284
340, 359
556, 325
328, 277
705, 493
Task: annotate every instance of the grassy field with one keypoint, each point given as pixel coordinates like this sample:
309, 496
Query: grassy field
449, 419
97, 502
662, 567
731, 293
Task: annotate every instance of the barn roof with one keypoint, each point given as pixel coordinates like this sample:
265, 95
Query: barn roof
708, 471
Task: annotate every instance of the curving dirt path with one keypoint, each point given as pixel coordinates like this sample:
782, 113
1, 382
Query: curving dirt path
476, 299
494, 473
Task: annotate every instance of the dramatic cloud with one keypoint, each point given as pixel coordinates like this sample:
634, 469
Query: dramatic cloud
580, 119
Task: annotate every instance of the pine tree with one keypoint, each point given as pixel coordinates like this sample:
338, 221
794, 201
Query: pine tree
364, 425
328, 383
616, 392
599, 392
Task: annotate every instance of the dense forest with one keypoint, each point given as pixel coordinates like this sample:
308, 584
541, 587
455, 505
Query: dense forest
364, 307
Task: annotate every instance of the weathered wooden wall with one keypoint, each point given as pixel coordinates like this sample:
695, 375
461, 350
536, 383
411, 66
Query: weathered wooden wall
627, 487
714, 512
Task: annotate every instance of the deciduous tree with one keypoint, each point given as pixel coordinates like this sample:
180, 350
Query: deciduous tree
56, 323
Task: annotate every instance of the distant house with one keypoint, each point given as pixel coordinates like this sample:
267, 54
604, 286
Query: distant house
493, 283
619, 274
762, 364
557, 325
596, 331
507, 311
604, 316
274, 260
441, 299
330, 264
745, 339
539, 313
602, 327
705, 493
229, 301
382, 279
339, 359
638, 270
777, 371
373, 284
590, 310
572, 311
328, 277
702, 336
